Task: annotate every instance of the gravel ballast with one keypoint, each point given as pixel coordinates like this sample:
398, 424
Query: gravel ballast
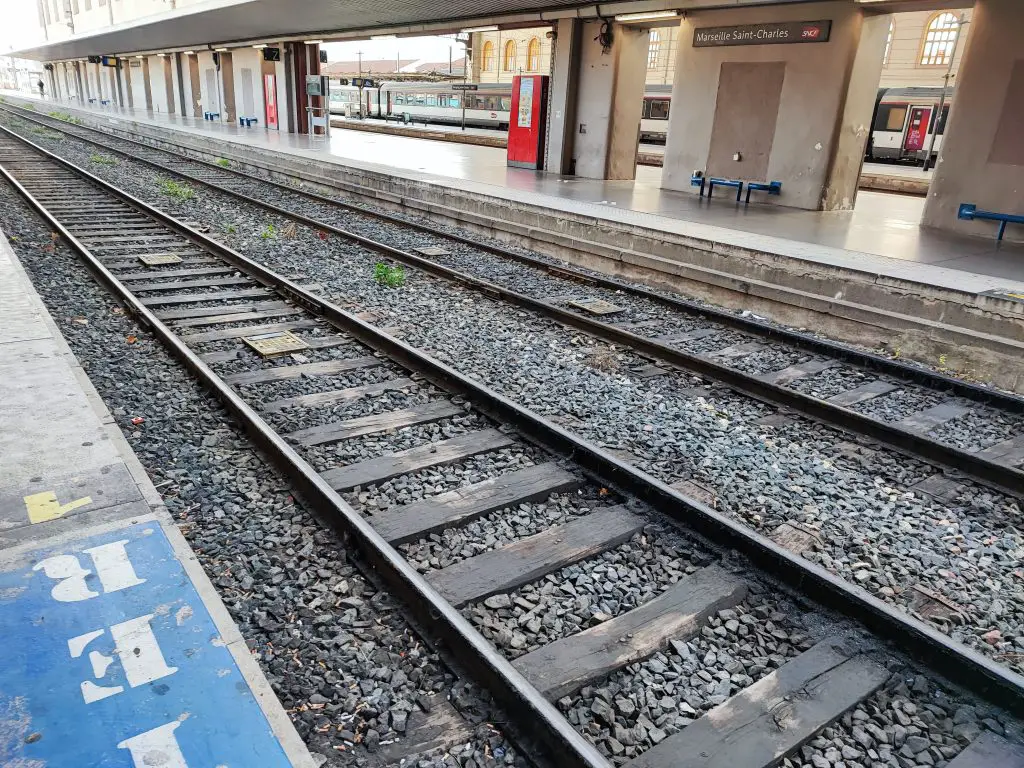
864, 511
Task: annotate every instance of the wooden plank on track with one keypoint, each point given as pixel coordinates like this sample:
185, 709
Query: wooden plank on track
438, 730
736, 351
774, 716
182, 285
248, 330
375, 422
526, 560
267, 310
384, 468
318, 399
190, 298
929, 418
319, 342
408, 522
989, 751
149, 274
1009, 452
566, 665
788, 375
864, 392
282, 372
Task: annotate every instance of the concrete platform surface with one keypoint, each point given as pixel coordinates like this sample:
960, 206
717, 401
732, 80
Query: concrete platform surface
882, 236
116, 649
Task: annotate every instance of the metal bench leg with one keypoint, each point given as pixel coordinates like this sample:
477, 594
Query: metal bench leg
703, 181
711, 189
1002, 229
747, 201
739, 191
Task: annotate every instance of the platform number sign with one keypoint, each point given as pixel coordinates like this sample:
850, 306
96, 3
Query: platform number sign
111, 659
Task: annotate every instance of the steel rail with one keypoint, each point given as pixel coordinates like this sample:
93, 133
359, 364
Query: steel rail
1008, 401
916, 445
537, 721
921, 642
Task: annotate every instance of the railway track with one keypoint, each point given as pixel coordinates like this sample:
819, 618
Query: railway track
214, 309
966, 429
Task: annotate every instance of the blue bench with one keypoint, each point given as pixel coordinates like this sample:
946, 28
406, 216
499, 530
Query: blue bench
104, 101
970, 212
771, 187
211, 115
247, 122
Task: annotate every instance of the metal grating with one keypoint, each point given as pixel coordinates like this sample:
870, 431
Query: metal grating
431, 250
159, 259
274, 344
595, 306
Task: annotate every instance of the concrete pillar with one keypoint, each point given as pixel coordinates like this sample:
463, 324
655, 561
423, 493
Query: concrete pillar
981, 160
565, 59
794, 112
596, 99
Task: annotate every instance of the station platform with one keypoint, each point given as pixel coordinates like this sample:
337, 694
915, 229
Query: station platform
871, 276
116, 649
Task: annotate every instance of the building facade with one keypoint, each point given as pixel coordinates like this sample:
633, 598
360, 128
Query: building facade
917, 51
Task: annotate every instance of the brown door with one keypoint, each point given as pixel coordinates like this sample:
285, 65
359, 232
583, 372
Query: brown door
227, 78
745, 117
197, 91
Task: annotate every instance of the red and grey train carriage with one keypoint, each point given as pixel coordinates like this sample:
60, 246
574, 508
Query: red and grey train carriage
904, 121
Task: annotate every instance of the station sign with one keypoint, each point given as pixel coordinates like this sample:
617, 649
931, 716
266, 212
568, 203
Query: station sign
774, 33
108, 61
465, 87
363, 82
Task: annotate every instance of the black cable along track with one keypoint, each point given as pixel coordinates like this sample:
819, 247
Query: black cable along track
1006, 478
533, 715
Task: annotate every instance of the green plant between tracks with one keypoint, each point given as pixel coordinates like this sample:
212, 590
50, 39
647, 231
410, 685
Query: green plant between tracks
179, 192
392, 277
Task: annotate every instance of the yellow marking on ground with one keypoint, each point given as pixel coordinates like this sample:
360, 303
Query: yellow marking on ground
43, 507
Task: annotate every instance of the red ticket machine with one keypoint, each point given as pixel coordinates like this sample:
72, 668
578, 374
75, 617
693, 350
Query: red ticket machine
527, 121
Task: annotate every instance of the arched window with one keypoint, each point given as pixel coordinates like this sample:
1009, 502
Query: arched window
888, 43
533, 55
939, 39
653, 49
508, 60
488, 62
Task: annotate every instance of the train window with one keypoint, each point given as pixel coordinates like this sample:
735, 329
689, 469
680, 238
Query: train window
399, 98
891, 117
506, 103
942, 121
442, 100
453, 102
431, 100
659, 109
421, 99
492, 103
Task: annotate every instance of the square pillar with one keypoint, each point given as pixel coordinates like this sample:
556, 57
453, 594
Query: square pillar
768, 106
596, 99
981, 160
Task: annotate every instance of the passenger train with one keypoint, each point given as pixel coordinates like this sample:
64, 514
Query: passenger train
901, 126
904, 121
487, 107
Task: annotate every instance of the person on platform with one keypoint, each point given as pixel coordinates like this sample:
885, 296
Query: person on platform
39, 85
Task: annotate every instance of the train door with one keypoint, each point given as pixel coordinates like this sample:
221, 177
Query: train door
369, 110
917, 129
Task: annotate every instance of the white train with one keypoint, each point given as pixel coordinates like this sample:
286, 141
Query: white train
487, 107
904, 121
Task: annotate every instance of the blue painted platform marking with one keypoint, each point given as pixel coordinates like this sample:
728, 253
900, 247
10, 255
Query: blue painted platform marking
109, 659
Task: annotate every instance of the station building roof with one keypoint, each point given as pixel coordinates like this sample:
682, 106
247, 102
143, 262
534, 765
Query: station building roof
225, 22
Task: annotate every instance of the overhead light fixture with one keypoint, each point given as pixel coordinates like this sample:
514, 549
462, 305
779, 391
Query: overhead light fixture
162, 55
139, 56
383, 37
221, 50
189, 53
312, 42
260, 45
647, 16
489, 28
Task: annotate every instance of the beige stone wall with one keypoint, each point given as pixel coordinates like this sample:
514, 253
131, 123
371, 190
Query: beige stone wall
903, 65
661, 54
